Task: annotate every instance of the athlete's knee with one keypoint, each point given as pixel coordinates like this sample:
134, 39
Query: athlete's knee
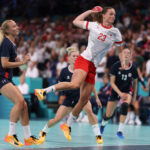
25, 106
20, 102
107, 117
124, 108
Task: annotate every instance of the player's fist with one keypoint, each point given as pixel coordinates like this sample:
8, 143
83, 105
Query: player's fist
97, 9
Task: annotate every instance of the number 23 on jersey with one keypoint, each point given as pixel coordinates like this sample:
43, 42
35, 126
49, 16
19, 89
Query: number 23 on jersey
101, 37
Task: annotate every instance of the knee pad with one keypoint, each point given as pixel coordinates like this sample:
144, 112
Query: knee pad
124, 109
106, 118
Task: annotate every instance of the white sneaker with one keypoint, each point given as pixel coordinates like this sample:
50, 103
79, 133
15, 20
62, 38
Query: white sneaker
131, 122
138, 121
85, 119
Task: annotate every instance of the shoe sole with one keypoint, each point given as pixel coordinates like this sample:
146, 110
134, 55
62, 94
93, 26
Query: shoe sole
12, 144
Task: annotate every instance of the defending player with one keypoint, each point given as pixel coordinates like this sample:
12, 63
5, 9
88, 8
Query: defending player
121, 83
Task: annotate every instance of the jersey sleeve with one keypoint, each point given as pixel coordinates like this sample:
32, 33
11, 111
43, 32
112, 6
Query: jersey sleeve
135, 73
118, 38
5, 49
88, 25
113, 71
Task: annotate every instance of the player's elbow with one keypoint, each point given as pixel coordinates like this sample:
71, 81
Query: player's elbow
74, 22
4, 64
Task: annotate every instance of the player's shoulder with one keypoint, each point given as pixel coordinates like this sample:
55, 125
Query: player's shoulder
65, 70
5, 41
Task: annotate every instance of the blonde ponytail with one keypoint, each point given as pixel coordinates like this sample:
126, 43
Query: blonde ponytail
3, 30
71, 49
1, 36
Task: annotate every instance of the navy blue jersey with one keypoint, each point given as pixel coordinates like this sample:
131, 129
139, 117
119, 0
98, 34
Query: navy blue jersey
71, 95
124, 77
7, 49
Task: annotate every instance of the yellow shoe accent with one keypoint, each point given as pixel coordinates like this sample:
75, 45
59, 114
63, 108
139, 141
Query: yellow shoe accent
42, 137
66, 130
31, 141
99, 139
13, 140
39, 93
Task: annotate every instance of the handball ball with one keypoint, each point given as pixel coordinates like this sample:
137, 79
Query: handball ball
98, 9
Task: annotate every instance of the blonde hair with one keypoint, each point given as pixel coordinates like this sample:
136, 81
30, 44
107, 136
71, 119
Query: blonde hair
71, 49
3, 29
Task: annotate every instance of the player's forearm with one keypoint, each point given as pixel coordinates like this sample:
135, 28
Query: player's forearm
94, 91
115, 88
82, 16
11, 64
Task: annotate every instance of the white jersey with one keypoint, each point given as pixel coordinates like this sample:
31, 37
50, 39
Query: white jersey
100, 40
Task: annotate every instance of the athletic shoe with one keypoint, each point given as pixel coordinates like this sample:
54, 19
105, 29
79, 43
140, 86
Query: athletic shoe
120, 135
40, 93
42, 137
99, 139
102, 129
66, 130
138, 121
13, 140
32, 141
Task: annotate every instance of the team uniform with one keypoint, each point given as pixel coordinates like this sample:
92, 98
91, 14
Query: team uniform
8, 50
72, 96
123, 79
100, 40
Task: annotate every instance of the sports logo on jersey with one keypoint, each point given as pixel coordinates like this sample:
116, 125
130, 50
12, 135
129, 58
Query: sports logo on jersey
3, 81
129, 74
68, 77
119, 72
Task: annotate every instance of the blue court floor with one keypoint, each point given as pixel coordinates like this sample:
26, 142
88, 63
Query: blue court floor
136, 137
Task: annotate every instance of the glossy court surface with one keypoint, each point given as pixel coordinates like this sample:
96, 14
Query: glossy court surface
136, 137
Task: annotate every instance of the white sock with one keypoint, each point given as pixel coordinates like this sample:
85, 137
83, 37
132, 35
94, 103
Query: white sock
137, 117
121, 127
12, 128
50, 89
71, 119
27, 132
104, 123
45, 129
96, 129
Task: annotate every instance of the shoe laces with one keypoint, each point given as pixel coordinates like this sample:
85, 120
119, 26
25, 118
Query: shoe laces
15, 136
34, 137
44, 134
99, 137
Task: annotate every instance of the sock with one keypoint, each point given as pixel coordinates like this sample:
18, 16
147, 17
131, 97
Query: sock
121, 126
137, 117
96, 129
27, 132
45, 129
71, 119
104, 123
50, 89
12, 128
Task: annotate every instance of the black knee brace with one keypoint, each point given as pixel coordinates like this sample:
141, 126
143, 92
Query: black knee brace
124, 109
106, 118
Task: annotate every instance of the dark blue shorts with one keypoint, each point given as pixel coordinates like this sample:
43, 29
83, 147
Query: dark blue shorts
4, 81
70, 102
115, 97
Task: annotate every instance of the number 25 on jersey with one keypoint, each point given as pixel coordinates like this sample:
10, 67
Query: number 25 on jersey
101, 37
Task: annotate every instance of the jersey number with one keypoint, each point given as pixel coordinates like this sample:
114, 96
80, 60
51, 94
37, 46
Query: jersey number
124, 77
101, 37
